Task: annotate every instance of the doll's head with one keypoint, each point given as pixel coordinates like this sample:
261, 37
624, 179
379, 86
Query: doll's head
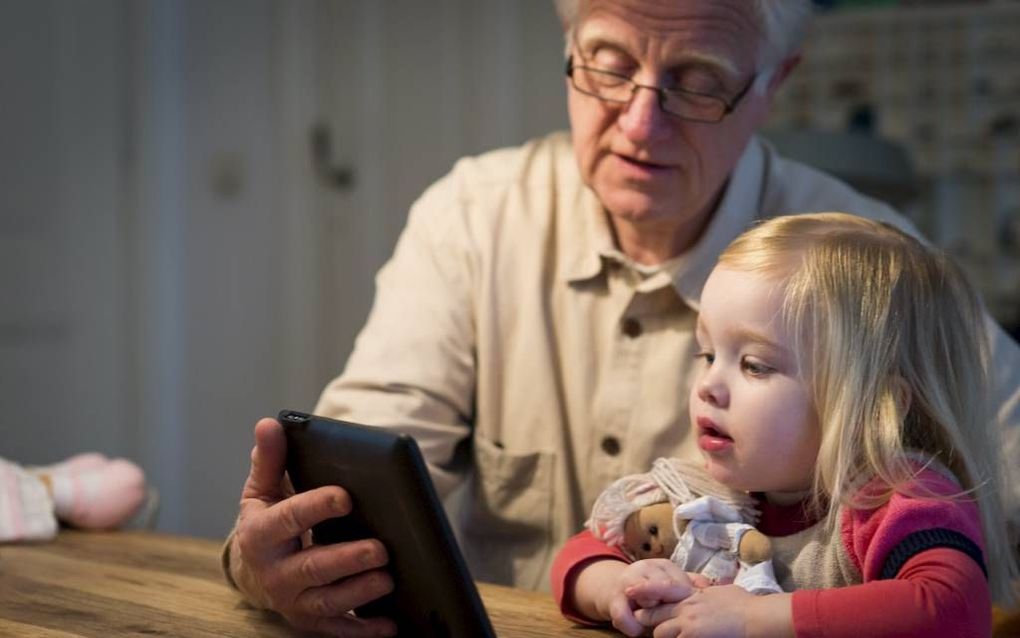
643, 513
654, 531
649, 532
890, 338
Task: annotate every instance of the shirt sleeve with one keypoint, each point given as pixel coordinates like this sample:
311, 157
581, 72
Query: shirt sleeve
580, 550
939, 592
1005, 378
413, 364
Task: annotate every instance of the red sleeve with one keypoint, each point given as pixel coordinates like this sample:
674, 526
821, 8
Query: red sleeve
870, 535
939, 592
577, 552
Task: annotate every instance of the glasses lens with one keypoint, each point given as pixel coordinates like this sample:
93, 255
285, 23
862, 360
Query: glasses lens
603, 84
692, 106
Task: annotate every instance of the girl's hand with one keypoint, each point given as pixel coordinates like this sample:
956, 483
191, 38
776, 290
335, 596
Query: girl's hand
606, 585
721, 612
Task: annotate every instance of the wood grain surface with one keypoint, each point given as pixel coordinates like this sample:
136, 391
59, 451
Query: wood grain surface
109, 585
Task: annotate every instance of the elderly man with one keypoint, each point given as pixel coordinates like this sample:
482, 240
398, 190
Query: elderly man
533, 329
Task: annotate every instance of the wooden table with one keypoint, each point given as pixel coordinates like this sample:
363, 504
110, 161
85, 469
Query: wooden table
108, 585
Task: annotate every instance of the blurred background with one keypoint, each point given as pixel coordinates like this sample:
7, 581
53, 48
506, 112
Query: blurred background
195, 195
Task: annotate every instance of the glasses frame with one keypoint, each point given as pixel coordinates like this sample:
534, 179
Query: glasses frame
660, 92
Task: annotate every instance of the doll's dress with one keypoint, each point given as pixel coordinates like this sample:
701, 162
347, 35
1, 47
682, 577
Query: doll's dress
708, 546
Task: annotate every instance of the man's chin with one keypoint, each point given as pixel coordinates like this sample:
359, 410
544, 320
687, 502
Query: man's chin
641, 202
636, 209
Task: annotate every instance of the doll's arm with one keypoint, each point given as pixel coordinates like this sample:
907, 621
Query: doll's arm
754, 547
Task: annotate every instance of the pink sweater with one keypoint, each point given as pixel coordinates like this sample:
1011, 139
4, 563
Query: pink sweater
934, 582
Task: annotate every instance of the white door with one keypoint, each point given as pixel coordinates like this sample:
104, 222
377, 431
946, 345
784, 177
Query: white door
63, 302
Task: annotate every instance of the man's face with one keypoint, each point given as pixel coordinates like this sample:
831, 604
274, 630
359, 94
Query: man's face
645, 164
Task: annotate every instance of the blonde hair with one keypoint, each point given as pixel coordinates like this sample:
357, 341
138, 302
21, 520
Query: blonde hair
891, 339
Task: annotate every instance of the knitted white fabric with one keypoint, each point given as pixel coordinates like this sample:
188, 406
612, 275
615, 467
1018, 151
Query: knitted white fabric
670, 479
618, 501
26, 508
716, 518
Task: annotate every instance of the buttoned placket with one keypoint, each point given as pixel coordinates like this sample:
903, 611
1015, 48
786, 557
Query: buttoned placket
615, 413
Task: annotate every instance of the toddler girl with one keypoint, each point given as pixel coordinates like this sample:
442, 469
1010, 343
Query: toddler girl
842, 384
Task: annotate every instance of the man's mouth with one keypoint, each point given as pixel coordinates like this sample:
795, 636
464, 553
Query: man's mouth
642, 163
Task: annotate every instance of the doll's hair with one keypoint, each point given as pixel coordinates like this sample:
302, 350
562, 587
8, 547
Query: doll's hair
890, 337
670, 480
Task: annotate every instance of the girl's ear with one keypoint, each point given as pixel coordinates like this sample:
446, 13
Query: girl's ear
901, 394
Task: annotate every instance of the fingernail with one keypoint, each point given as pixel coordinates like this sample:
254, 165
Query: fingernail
337, 503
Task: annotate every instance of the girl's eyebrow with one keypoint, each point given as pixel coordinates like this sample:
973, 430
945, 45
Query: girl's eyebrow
750, 336
745, 335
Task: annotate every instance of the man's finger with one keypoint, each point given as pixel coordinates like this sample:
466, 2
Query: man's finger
268, 460
290, 518
342, 597
324, 564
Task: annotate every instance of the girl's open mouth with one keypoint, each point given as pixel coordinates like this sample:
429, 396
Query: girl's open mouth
711, 438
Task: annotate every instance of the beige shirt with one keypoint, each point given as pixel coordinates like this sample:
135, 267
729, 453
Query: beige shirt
528, 355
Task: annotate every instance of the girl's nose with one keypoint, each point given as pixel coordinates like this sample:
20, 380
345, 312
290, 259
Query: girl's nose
712, 391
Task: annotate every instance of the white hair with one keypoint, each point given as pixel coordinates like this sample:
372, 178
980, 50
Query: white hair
783, 23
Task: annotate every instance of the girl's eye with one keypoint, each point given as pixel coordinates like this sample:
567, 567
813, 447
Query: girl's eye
755, 368
709, 357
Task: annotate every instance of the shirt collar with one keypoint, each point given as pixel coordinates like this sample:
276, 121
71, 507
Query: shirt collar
738, 207
592, 241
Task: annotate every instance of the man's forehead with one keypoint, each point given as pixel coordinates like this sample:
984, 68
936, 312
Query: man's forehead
728, 25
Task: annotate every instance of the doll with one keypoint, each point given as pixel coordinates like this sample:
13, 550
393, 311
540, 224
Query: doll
87, 491
677, 512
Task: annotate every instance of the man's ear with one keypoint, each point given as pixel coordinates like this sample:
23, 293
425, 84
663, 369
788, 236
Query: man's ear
782, 72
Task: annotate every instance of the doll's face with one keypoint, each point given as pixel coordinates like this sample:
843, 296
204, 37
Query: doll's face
648, 532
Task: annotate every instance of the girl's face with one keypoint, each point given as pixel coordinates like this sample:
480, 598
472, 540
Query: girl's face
751, 408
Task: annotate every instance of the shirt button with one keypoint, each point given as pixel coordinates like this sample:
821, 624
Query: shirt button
631, 327
611, 445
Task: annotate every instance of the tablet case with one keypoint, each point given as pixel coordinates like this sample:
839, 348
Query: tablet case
394, 501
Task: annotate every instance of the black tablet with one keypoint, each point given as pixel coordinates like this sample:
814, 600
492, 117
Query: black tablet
394, 501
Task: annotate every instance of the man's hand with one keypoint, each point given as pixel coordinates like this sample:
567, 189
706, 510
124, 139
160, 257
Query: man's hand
603, 590
314, 587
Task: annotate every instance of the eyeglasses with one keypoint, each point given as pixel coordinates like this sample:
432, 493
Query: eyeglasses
619, 89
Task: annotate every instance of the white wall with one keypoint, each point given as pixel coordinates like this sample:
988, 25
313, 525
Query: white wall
170, 266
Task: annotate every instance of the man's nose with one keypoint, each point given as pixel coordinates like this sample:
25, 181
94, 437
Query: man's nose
642, 118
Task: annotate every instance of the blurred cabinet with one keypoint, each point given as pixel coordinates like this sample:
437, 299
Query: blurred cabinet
944, 82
